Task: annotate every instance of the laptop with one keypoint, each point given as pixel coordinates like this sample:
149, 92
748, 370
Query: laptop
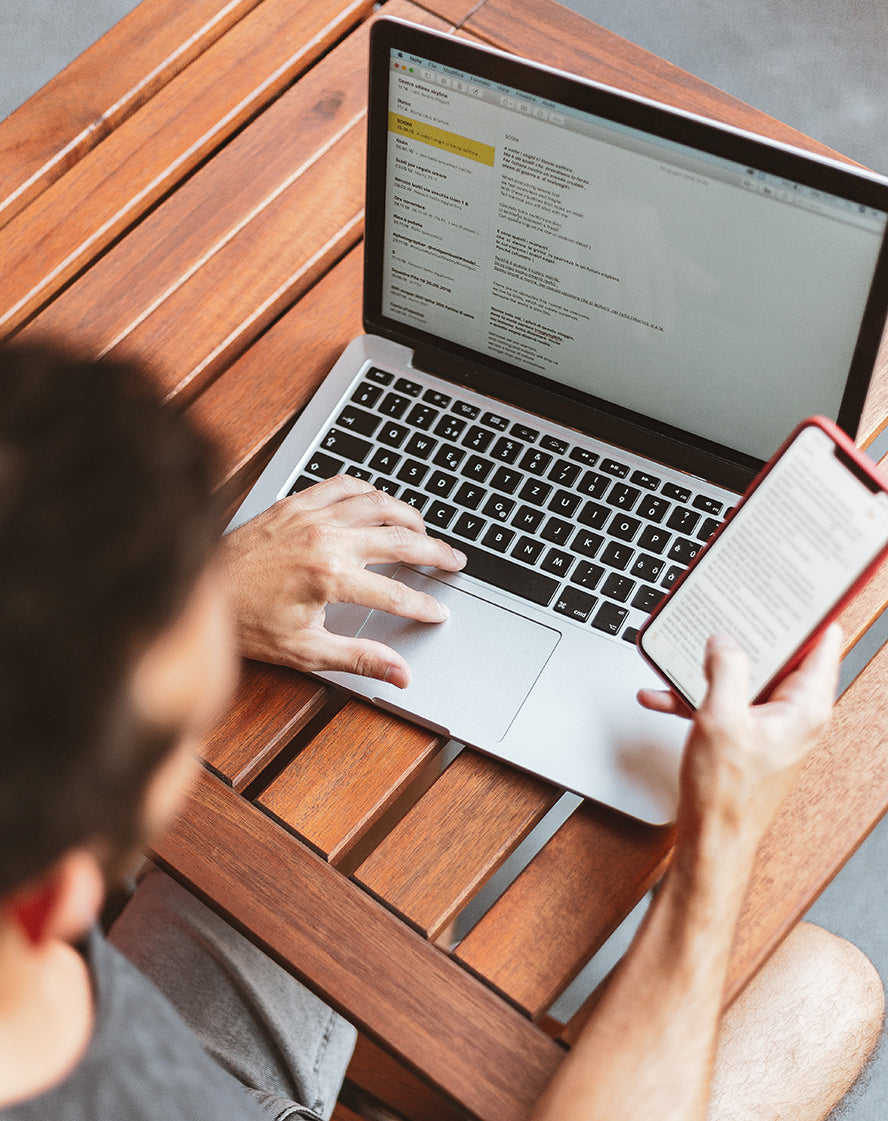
589, 320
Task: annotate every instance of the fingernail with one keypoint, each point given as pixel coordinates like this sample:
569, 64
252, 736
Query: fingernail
444, 611
395, 675
460, 556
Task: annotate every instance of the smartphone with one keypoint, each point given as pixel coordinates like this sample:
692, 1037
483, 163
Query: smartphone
804, 538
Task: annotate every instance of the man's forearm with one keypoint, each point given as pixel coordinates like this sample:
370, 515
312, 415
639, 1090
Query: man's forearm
648, 1049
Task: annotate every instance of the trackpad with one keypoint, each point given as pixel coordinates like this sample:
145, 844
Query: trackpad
470, 674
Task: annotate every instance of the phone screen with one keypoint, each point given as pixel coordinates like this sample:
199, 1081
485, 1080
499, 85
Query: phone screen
777, 570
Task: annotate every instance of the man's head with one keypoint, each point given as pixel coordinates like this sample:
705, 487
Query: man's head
114, 640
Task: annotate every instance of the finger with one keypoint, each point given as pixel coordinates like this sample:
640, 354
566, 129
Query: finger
327, 651
817, 676
385, 544
371, 589
727, 671
661, 700
329, 492
373, 508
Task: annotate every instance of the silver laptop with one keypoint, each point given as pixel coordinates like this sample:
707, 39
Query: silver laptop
590, 318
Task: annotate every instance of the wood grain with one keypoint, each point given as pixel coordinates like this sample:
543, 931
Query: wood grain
385, 978
271, 705
375, 1071
563, 907
454, 11
454, 839
78, 108
341, 783
79, 215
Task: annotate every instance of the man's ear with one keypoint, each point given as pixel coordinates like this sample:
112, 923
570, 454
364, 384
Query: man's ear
63, 903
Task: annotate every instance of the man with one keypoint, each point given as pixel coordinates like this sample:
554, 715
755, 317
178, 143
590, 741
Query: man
119, 623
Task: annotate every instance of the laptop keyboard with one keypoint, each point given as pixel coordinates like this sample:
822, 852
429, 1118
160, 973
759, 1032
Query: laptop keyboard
584, 533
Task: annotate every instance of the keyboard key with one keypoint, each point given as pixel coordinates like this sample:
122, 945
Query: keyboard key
583, 455
587, 575
671, 576
623, 496
652, 508
707, 505
647, 567
647, 598
469, 526
654, 539
450, 427
683, 519
522, 432
557, 562
575, 604
387, 486
677, 493
413, 472
553, 444
535, 461
613, 467
346, 445
420, 444
587, 543
469, 495
493, 421
506, 450
394, 405
385, 460
440, 400
402, 385
610, 617
498, 537
706, 530
684, 550
478, 439
422, 416
595, 515
392, 434
528, 519
535, 491
359, 472
498, 507
536, 587
643, 479
381, 376
630, 634
564, 503
304, 482
477, 468
624, 527
528, 550
618, 587
324, 466
439, 515
616, 555
441, 484
367, 395
506, 479
564, 473
448, 456
594, 484
415, 499
463, 408
557, 531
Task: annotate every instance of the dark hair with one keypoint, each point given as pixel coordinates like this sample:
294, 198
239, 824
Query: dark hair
106, 523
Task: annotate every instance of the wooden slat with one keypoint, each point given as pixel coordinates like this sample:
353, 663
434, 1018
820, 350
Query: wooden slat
454, 11
100, 89
875, 411
377, 1073
454, 839
253, 400
840, 796
559, 37
565, 905
76, 218
271, 705
342, 782
343, 1113
219, 200
432, 1015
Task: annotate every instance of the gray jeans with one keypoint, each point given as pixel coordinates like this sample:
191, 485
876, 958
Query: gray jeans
278, 1039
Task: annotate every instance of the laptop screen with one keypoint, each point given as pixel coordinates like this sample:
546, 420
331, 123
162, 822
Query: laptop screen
720, 296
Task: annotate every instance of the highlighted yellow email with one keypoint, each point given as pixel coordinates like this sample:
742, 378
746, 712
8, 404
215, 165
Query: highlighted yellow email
440, 138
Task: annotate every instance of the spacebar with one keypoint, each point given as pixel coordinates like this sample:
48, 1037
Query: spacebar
503, 573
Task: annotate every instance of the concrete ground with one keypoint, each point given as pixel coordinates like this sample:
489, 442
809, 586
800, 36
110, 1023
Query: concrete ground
815, 64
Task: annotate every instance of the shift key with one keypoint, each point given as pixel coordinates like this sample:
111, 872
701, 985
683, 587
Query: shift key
503, 574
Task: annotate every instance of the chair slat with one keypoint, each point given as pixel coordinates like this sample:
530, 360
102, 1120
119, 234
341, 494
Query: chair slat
342, 782
454, 838
76, 218
565, 904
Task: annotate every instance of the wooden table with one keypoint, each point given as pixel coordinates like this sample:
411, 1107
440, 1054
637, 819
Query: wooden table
190, 190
